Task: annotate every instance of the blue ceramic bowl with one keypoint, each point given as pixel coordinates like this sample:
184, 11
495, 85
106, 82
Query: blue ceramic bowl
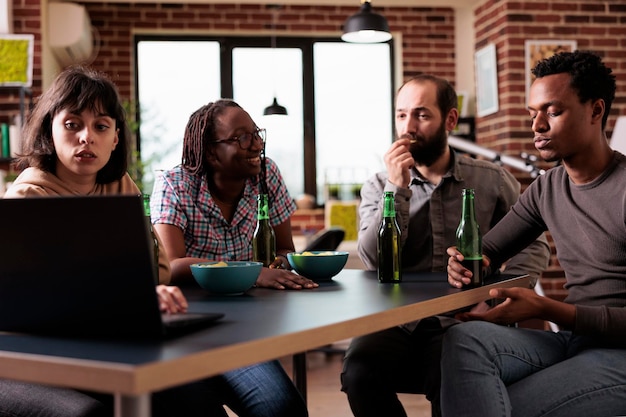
231, 277
318, 265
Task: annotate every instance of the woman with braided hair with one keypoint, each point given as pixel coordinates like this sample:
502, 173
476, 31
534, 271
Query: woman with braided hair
205, 208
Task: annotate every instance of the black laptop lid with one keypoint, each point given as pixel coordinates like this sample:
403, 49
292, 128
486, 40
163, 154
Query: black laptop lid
77, 266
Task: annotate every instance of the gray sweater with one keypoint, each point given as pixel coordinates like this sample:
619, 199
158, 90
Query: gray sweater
588, 225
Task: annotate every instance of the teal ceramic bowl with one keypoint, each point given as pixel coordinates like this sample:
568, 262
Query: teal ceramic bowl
318, 265
231, 277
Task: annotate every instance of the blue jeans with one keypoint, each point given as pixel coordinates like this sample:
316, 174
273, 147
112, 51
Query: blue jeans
490, 370
262, 390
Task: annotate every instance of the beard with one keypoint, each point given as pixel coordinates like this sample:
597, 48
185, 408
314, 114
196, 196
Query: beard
426, 150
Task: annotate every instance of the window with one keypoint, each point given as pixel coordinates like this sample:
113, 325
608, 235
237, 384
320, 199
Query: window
338, 98
259, 75
168, 96
353, 126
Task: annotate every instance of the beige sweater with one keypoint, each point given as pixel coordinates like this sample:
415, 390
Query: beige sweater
34, 182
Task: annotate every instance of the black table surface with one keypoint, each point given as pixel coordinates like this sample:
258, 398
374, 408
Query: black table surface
259, 325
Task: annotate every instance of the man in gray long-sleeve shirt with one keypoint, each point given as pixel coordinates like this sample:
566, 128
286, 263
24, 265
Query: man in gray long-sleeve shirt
580, 370
427, 179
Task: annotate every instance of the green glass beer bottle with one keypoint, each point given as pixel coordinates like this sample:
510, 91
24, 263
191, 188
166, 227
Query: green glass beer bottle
6, 151
155, 242
263, 240
469, 239
389, 265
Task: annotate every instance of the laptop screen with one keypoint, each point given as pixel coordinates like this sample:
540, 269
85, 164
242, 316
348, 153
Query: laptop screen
77, 266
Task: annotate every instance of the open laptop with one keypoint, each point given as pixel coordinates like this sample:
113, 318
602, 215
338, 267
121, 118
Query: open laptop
82, 266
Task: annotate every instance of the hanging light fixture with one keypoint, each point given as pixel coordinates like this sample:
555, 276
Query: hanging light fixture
366, 26
274, 108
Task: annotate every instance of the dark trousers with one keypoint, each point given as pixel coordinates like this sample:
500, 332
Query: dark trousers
380, 365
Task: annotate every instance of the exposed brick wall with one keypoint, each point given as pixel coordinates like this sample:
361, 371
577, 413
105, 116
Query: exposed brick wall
307, 222
593, 24
428, 33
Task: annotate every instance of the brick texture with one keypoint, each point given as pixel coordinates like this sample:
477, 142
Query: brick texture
307, 221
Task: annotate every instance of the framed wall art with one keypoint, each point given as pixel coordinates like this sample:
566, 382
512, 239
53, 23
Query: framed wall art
16, 60
536, 50
486, 69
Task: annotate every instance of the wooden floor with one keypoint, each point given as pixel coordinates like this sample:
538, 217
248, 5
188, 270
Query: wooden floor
325, 398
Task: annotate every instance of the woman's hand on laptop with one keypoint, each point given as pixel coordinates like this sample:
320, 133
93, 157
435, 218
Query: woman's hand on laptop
171, 299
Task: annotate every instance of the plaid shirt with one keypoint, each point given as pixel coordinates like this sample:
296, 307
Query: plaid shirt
184, 200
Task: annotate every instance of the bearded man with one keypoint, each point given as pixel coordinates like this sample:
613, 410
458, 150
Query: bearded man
427, 179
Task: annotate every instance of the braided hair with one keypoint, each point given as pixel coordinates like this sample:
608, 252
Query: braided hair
200, 134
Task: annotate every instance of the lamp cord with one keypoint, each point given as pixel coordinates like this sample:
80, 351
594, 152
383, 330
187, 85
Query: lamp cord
273, 43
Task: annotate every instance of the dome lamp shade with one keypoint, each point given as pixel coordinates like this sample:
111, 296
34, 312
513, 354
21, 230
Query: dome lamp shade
366, 26
275, 108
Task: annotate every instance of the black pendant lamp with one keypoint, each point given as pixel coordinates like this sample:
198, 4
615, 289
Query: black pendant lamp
366, 26
274, 108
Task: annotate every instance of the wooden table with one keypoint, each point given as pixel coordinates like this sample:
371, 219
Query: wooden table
260, 325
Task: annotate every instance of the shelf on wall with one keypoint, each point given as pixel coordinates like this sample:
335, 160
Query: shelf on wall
465, 128
23, 92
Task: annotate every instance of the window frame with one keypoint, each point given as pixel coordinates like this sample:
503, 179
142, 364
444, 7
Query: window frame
305, 43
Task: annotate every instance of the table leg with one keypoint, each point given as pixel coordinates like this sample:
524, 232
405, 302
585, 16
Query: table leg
132, 406
299, 373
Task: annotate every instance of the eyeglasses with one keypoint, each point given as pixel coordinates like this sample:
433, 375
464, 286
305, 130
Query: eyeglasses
245, 139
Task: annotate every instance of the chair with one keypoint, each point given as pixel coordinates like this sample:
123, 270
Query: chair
326, 239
